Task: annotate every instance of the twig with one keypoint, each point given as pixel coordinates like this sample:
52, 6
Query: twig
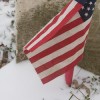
78, 72
75, 96
81, 92
71, 97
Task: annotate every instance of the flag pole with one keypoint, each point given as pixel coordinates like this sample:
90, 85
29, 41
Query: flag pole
69, 76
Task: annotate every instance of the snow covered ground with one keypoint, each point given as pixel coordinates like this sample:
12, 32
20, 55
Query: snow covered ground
7, 34
20, 82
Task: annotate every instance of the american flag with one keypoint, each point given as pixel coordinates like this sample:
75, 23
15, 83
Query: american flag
59, 46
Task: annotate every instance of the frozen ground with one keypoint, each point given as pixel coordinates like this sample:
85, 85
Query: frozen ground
20, 82
7, 35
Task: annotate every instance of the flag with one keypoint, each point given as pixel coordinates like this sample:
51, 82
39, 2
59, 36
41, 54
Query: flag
59, 46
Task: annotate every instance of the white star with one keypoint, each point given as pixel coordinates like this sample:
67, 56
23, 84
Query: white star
90, 3
88, 8
83, 7
93, 9
86, 14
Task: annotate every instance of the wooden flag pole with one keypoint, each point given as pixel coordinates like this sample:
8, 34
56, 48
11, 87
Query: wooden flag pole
69, 76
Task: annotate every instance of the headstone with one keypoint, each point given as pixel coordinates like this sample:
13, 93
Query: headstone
32, 15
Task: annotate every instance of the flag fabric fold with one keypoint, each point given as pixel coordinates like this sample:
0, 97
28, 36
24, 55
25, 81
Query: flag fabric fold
59, 46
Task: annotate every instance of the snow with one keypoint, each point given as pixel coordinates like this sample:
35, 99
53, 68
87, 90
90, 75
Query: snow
6, 30
21, 82
5, 22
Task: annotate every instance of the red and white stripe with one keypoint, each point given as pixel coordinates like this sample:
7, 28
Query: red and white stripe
59, 46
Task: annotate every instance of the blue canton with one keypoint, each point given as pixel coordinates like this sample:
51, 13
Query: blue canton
87, 10
81, 1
